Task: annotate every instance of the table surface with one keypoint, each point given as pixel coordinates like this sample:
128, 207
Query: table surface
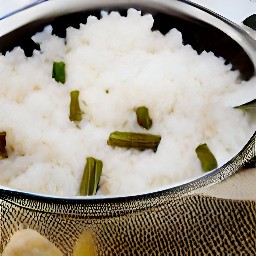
241, 185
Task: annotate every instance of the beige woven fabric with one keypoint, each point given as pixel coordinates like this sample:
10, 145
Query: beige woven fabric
187, 225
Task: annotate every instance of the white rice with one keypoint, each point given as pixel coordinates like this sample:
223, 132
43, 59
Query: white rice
190, 98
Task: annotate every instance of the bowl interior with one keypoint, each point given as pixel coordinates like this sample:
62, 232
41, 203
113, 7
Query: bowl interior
201, 35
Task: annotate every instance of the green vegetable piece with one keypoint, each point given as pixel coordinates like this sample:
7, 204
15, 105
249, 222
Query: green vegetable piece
250, 22
141, 141
251, 105
58, 72
143, 117
98, 171
3, 152
206, 157
75, 113
91, 177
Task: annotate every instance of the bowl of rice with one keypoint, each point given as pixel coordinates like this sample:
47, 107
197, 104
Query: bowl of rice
110, 108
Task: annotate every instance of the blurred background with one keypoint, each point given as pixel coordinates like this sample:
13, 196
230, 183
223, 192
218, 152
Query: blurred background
234, 10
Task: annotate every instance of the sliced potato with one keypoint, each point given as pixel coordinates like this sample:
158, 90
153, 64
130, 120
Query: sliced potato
85, 245
30, 243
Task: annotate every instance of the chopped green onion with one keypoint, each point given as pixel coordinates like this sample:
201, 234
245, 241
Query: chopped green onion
3, 152
75, 113
58, 72
251, 105
139, 141
91, 177
143, 117
206, 157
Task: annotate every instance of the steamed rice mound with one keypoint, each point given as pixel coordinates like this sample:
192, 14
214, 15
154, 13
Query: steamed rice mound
190, 98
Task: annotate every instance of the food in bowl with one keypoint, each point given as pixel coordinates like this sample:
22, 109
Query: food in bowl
29, 242
63, 107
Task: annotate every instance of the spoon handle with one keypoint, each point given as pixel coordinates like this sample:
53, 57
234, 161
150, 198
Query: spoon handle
22, 8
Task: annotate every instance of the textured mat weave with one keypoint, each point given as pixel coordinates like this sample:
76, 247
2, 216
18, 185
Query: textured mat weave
188, 225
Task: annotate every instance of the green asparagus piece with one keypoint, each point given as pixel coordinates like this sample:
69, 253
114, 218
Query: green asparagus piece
206, 157
75, 111
98, 171
251, 105
3, 152
143, 117
91, 177
139, 141
58, 72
